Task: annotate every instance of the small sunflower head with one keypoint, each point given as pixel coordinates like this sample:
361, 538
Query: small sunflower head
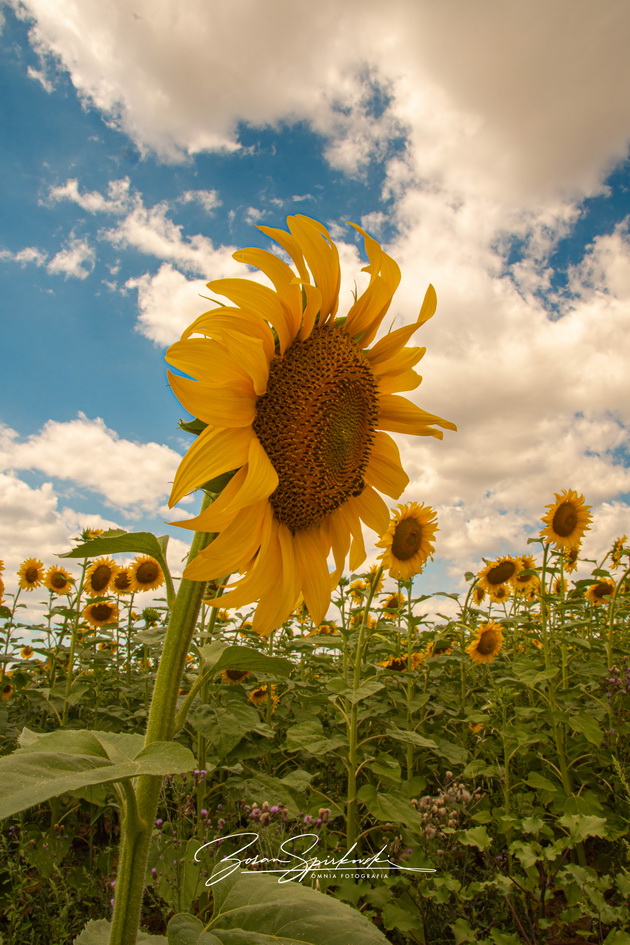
396, 664
617, 550
27, 652
487, 644
101, 613
145, 574
526, 581
499, 573
59, 581
392, 605
478, 594
258, 696
567, 520
89, 533
99, 577
121, 582
31, 574
600, 593
7, 692
234, 676
408, 542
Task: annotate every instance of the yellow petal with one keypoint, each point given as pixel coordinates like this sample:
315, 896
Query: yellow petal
374, 303
261, 479
291, 246
401, 416
395, 340
233, 547
250, 353
312, 307
222, 407
322, 258
384, 470
311, 555
215, 518
258, 299
213, 452
392, 383
282, 278
403, 360
198, 356
227, 318
274, 607
371, 509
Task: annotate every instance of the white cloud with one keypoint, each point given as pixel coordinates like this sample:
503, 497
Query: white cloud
132, 477
116, 201
45, 83
209, 199
26, 256
76, 260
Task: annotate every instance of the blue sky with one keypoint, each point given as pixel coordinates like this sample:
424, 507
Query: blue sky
487, 148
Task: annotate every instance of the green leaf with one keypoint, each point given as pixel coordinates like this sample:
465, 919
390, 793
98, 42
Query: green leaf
476, 837
581, 826
225, 727
217, 657
311, 738
252, 909
536, 780
587, 726
118, 541
98, 932
66, 760
617, 937
184, 929
387, 807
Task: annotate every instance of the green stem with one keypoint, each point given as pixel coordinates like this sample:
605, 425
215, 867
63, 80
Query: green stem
138, 820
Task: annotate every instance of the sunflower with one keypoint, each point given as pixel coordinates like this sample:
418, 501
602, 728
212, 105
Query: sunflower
88, 533
7, 692
258, 696
357, 590
392, 605
597, 594
323, 629
498, 573
478, 594
27, 652
234, 676
31, 574
408, 541
99, 576
526, 582
121, 583
145, 574
396, 663
617, 550
487, 644
1, 590
567, 520
297, 406
58, 580
100, 614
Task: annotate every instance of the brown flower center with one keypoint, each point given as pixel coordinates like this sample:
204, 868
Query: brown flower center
147, 572
316, 423
58, 581
236, 674
31, 575
102, 612
501, 572
407, 539
565, 519
121, 581
603, 590
100, 577
487, 643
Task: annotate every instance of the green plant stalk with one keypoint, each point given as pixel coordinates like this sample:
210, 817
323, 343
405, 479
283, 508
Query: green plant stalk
73, 643
139, 813
611, 617
411, 687
352, 818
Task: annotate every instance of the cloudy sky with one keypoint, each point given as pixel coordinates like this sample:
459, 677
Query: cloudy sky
485, 143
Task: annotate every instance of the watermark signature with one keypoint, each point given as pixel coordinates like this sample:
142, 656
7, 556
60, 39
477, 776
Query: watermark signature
292, 865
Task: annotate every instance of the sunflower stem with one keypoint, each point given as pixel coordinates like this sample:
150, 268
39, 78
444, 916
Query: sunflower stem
138, 817
73, 643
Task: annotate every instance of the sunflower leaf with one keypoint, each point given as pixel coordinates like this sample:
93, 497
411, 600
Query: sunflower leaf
118, 542
217, 657
51, 764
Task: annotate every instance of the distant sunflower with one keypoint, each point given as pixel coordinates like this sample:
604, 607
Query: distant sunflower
526, 581
487, 644
392, 606
478, 594
100, 614
357, 590
408, 541
497, 574
617, 550
1, 590
258, 696
58, 580
121, 583
27, 652
99, 576
570, 559
31, 574
145, 574
7, 692
567, 520
233, 676
598, 594
324, 629
88, 533
297, 404
396, 663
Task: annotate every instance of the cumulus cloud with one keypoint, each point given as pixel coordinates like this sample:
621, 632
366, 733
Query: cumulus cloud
30, 255
208, 199
76, 259
131, 477
116, 201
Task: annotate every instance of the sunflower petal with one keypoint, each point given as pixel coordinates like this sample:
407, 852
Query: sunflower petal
258, 299
282, 278
310, 556
371, 509
233, 547
228, 318
384, 470
277, 605
222, 407
261, 479
193, 356
322, 258
395, 340
211, 454
401, 416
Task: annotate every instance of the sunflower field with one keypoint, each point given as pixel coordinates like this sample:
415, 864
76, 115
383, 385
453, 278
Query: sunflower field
271, 751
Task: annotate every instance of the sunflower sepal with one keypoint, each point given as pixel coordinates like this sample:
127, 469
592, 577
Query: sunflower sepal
215, 487
194, 426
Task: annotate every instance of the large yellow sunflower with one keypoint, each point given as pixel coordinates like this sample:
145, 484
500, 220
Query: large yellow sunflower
600, 593
526, 581
408, 541
487, 644
567, 520
31, 574
145, 574
58, 580
296, 405
101, 613
99, 577
497, 574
